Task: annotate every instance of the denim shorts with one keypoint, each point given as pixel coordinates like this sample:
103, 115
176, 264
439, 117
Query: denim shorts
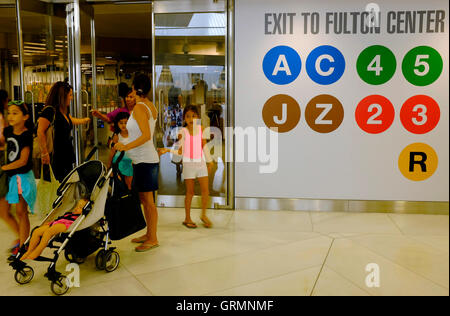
145, 177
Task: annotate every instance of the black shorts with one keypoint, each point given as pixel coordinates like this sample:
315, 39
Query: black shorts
145, 177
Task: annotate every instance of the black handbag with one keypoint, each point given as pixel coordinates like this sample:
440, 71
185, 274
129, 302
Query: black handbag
123, 208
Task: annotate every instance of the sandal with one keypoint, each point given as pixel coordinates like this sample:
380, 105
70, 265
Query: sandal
190, 225
146, 247
139, 240
206, 222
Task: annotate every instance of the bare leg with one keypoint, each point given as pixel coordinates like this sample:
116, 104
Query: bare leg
35, 239
7, 217
190, 183
48, 234
24, 221
151, 217
204, 186
129, 181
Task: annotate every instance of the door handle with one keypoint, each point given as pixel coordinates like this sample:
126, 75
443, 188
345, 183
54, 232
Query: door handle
85, 127
161, 108
33, 110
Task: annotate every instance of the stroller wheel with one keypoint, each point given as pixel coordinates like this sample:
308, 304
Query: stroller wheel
24, 276
112, 260
73, 258
60, 286
100, 260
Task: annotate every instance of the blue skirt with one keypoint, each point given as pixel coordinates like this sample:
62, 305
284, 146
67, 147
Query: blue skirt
145, 177
24, 184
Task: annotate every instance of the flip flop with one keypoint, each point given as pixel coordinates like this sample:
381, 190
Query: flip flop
190, 225
139, 240
207, 223
144, 247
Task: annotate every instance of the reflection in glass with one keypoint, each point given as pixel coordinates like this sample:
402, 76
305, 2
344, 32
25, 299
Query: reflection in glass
189, 70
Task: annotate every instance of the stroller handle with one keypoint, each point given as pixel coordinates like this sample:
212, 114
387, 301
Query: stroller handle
119, 159
91, 153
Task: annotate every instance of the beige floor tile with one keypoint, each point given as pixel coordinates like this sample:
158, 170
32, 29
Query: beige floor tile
220, 274
349, 259
354, 223
188, 251
293, 284
417, 257
412, 224
332, 284
120, 287
440, 243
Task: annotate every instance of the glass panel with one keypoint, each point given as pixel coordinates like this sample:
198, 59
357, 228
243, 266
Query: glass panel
190, 70
9, 56
87, 131
123, 47
44, 36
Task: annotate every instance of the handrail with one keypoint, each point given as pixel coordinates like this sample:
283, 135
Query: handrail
33, 110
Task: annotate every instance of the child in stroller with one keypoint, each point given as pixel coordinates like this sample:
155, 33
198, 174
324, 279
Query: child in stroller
85, 188
42, 235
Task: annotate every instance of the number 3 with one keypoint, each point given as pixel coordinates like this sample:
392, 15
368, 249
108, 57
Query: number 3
423, 110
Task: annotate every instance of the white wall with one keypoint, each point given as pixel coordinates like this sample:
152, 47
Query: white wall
347, 163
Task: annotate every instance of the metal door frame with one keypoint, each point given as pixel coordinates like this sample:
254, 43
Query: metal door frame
227, 202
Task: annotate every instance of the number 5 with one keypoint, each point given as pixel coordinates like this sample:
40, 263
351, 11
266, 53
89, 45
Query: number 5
421, 62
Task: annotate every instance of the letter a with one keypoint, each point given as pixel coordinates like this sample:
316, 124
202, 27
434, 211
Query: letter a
285, 67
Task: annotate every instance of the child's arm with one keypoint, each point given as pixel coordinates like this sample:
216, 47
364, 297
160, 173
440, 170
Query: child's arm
2, 126
206, 150
79, 121
101, 116
179, 144
21, 162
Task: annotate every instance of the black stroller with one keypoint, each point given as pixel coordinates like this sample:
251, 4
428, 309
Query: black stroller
86, 235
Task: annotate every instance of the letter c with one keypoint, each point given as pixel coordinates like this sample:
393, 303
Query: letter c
319, 68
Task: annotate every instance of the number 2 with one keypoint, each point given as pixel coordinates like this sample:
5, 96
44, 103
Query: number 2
371, 119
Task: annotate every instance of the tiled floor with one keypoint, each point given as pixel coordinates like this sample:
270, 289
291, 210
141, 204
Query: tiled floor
269, 253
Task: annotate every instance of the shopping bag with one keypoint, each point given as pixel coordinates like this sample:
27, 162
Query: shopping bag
46, 191
123, 208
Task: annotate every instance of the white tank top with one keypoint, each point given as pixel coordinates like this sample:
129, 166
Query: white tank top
146, 153
123, 140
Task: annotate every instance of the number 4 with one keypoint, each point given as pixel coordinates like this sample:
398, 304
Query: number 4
375, 65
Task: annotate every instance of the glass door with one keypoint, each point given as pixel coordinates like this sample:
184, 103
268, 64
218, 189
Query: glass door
190, 69
9, 54
44, 50
81, 40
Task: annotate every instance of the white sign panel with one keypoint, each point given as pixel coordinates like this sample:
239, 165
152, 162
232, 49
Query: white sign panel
357, 93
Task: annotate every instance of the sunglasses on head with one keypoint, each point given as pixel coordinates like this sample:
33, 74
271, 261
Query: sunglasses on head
16, 102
